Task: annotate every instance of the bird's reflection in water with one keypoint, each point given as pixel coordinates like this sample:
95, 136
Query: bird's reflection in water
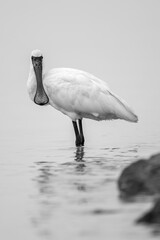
52, 182
81, 185
44, 199
79, 154
80, 169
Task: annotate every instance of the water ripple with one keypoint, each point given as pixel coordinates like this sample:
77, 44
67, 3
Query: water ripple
74, 189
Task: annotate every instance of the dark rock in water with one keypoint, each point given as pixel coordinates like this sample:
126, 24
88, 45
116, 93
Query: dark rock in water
141, 177
152, 216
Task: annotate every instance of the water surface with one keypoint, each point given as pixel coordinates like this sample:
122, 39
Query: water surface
55, 191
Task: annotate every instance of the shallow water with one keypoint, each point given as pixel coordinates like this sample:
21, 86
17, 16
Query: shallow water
53, 192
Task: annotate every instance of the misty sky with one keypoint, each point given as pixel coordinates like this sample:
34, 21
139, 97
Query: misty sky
118, 41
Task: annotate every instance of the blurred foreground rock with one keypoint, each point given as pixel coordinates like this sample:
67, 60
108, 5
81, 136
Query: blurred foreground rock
141, 177
152, 216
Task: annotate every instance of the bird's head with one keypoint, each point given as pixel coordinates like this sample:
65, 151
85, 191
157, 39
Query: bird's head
37, 58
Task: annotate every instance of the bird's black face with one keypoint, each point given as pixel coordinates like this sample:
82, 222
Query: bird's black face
37, 61
41, 97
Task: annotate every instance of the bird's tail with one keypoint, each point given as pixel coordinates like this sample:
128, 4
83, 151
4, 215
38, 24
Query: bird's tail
125, 111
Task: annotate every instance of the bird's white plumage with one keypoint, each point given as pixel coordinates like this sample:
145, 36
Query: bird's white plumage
36, 53
79, 94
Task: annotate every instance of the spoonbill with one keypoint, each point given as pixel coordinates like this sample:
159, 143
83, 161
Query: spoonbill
75, 93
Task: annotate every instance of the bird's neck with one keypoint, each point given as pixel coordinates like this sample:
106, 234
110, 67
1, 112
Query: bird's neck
32, 73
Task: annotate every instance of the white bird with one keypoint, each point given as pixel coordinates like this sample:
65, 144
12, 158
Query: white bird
75, 93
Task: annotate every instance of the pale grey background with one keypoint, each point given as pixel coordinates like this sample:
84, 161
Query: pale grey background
44, 193
118, 41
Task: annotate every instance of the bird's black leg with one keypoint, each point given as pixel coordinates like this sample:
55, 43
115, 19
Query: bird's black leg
77, 134
81, 132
